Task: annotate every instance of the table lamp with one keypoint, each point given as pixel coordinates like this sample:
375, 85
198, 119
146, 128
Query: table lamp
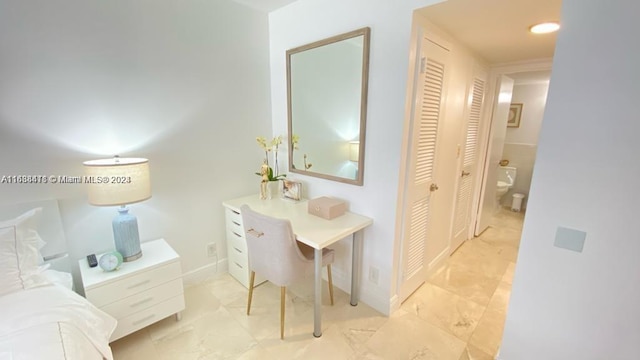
120, 181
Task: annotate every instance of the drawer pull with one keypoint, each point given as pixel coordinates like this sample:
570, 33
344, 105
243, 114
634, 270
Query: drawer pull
238, 250
238, 265
147, 318
236, 234
235, 212
254, 232
141, 302
139, 284
236, 223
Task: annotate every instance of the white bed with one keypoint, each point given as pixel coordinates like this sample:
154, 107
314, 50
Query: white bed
40, 316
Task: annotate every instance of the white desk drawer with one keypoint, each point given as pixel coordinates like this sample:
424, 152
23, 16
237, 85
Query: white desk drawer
239, 271
112, 292
239, 257
148, 316
237, 242
234, 222
233, 217
145, 299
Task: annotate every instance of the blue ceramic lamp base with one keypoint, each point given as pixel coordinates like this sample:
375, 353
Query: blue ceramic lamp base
125, 235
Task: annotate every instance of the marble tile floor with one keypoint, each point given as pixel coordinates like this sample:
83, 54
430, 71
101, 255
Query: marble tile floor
458, 314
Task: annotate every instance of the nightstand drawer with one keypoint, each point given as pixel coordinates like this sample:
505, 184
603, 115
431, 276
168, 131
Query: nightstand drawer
143, 300
148, 316
112, 292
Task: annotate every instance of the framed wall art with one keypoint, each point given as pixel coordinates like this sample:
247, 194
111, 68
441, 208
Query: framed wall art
515, 113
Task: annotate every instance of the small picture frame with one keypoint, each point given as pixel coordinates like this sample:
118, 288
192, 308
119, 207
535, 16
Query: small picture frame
515, 113
291, 190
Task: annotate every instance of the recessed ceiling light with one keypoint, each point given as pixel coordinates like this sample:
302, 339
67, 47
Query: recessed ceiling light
545, 28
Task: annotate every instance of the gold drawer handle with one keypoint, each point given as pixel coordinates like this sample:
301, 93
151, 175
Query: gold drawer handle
139, 284
254, 233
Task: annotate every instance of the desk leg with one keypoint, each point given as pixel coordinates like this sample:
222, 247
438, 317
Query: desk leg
317, 306
356, 253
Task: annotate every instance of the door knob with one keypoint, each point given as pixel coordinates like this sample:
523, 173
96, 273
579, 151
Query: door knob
464, 173
433, 187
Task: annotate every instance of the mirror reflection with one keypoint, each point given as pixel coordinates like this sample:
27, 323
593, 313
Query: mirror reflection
327, 99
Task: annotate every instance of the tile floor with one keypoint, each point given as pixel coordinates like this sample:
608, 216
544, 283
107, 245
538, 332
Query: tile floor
458, 315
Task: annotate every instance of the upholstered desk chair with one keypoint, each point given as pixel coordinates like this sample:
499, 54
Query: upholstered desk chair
275, 254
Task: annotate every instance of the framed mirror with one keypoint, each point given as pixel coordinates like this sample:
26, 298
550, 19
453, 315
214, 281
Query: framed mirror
327, 85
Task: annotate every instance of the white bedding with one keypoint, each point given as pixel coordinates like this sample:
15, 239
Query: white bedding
51, 322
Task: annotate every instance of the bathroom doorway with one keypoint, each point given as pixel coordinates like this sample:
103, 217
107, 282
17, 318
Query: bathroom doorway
521, 141
516, 144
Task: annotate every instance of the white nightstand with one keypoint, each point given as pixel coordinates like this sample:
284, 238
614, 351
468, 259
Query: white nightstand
140, 292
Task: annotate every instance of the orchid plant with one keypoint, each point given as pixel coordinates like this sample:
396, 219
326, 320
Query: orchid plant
268, 147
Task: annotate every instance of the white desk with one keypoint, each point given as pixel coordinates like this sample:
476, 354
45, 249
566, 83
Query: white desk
317, 233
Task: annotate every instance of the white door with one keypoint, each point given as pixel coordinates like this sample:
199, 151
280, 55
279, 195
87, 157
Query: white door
420, 192
488, 204
468, 167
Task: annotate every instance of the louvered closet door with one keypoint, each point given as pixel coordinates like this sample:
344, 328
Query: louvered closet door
468, 171
420, 185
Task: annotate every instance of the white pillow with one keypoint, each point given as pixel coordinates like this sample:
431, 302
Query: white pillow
19, 253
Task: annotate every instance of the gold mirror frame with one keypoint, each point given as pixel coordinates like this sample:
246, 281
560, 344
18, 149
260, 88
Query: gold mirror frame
348, 143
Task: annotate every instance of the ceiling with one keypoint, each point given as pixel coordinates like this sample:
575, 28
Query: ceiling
265, 5
497, 30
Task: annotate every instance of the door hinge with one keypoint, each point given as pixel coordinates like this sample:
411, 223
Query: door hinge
423, 65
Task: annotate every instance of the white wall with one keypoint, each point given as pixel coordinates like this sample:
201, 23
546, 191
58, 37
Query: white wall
306, 21
178, 83
564, 304
521, 143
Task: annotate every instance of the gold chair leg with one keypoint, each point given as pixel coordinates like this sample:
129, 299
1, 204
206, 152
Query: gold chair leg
251, 280
330, 283
282, 299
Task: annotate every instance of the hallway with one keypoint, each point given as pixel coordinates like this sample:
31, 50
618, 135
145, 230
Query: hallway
468, 297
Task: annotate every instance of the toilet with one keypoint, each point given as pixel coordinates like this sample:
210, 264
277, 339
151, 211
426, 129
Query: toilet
506, 179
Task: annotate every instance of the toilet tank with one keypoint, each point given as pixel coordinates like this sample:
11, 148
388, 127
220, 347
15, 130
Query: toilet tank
507, 174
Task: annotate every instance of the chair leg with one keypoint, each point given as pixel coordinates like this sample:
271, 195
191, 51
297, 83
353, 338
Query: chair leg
330, 283
282, 299
251, 280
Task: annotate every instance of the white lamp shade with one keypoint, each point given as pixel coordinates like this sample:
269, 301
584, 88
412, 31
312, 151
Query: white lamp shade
117, 181
354, 151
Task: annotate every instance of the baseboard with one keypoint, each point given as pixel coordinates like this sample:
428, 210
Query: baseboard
370, 294
204, 273
394, 304
439, 260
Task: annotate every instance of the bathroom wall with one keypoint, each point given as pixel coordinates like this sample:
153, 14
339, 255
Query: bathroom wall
521, 143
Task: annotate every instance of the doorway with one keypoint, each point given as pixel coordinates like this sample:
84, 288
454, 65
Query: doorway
448, 162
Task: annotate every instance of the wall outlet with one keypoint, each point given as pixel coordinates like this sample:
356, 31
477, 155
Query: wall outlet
374, 274
212, 251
